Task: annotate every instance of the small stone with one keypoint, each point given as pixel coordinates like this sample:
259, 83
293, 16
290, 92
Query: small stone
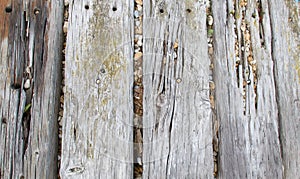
137, 50
139, 2
175, 45
137, 23
60, 113
215, 167
247, 49
215, 154
139, 7
178, 80
211, 85
210, 20
139, 43
212, 101
66, 2
243, 27
65, 27
210, 50
247, 36
138, 55
139, 160
136, 14
61, 99
27, 84
98, 81
248, 81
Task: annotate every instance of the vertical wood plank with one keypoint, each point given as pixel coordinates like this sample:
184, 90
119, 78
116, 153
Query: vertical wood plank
249, 97
31, 43
285, 29
177, 123
45, 54
97, 123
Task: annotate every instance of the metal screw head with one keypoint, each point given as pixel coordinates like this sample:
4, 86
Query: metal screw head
178, 80
98, 81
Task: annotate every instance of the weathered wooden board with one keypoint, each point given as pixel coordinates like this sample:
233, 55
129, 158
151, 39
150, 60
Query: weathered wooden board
30, 51
285, 29
177, 124
246, 122
257, 88
98, 114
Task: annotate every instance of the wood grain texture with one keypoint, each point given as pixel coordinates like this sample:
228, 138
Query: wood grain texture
30, 55
177, 124
256, 90
98, 116
285, 28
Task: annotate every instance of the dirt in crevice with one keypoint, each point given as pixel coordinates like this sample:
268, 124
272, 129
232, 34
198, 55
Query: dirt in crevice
215, 122
138, 90
62, 92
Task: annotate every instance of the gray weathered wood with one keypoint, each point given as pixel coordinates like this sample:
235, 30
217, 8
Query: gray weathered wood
177, 124
98, 114
240, 120
285, 29
256, 119
30, 51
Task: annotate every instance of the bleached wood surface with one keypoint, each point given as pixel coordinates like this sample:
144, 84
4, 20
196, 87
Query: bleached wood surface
177, 123
239, 114
98, 112
257, 135
30, 51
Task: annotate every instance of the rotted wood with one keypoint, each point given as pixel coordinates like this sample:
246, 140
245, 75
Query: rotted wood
98, 103
257, 88
30, 50
177, 120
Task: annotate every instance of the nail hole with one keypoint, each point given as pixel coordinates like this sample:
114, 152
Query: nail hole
4, 121
87, 7
188, 10
36, 11
8, 9
161, 11
102, 70
114, 8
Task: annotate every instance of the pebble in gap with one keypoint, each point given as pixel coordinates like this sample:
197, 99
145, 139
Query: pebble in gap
210, 20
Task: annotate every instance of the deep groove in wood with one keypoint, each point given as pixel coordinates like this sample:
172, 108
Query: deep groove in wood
62, 91
138, 90
215, 122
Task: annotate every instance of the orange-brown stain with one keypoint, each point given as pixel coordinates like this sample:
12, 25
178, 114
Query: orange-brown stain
4, 18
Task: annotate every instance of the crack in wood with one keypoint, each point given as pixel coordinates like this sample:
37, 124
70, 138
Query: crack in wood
138, 91
215, 122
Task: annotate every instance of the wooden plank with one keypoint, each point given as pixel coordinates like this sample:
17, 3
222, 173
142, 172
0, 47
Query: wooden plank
252, 85
98, 116
30, 91
177, 124
285, 28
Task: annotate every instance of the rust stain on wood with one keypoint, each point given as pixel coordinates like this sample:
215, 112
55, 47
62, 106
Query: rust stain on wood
5, 10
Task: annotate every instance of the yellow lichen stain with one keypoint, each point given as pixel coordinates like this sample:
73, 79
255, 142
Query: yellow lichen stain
114, 64
104, 101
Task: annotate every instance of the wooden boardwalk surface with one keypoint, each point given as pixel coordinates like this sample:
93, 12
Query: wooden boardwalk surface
149, 89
